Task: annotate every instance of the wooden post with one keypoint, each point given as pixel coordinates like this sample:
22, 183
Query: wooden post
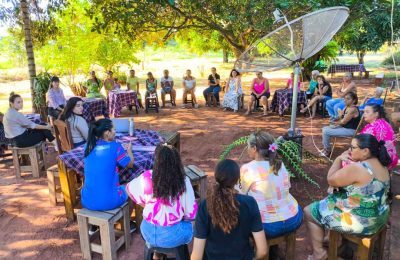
107, 235
33, 156
333, 245
17, 166
363, 252
66, 190
84, 237
51, 182
290, 245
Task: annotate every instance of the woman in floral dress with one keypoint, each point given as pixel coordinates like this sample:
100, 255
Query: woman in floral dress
234, 86
359, 206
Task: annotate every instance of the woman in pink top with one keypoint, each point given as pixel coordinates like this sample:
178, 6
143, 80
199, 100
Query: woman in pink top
379, 127
168, 200
289, 84
260, 91
267, 180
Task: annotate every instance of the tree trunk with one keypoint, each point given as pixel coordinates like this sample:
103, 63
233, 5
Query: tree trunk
29, 47
225, 56
360, 57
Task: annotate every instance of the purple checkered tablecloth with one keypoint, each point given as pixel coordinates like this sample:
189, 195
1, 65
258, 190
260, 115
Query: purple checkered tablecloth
118, 100
283, 99
93, 107
74, 159
346, 68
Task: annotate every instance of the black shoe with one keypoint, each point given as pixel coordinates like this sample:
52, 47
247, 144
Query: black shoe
93, 229
132, 226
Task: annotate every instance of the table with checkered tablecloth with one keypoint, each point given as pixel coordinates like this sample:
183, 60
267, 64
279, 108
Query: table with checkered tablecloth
119, 99
282, 99
144, 160
346, 68
93, 107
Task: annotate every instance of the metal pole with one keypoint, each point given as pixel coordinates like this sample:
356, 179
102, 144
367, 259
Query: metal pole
294, 99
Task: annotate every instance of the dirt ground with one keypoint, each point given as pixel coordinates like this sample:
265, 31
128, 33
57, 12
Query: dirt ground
31, 228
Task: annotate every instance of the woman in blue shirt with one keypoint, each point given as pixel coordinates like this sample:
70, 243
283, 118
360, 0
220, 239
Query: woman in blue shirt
101, 189
373, 99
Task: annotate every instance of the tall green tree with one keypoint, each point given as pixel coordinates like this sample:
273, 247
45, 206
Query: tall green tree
372, 30
239, 23
21, 13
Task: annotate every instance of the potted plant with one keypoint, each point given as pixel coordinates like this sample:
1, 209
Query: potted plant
41, 86
288, 150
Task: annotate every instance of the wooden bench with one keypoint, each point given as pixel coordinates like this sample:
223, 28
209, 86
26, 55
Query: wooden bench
290, 240
365, 244
36, 160
106, 221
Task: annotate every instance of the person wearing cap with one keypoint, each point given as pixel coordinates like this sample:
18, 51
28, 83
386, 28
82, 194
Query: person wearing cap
109, 82
373, 99
55, 98
313, 84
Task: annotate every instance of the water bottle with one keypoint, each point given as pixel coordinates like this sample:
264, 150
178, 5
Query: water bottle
131, 126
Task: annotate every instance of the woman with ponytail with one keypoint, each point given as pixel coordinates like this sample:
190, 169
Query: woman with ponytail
360, 205
101, 189
267, 180
226, 220
20, 129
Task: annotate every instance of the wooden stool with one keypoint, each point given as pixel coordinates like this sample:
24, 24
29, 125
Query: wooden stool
365, 244
211, 100
290, 240
151, 104
241, 101
105, 220
198, 179
189, 101
52, 179
36, 158
181, 252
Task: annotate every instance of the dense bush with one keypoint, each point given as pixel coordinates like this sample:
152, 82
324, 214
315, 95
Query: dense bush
389, 60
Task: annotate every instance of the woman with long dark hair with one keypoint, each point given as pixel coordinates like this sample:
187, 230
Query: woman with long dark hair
72, 114
226, 220
349, 119
323, 93
234, 90
168, 200
266, 179
23, 131
101, 189
379, 126
360, 205
55, 98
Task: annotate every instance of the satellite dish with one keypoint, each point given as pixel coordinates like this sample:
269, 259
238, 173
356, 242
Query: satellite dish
292, 43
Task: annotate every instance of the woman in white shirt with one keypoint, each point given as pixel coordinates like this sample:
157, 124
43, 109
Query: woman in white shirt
78, 125
189, 85
20, 129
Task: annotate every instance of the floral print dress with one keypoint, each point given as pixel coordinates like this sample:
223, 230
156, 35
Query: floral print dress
356, 210
231, 99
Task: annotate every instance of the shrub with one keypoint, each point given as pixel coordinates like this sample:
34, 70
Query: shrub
388, 61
